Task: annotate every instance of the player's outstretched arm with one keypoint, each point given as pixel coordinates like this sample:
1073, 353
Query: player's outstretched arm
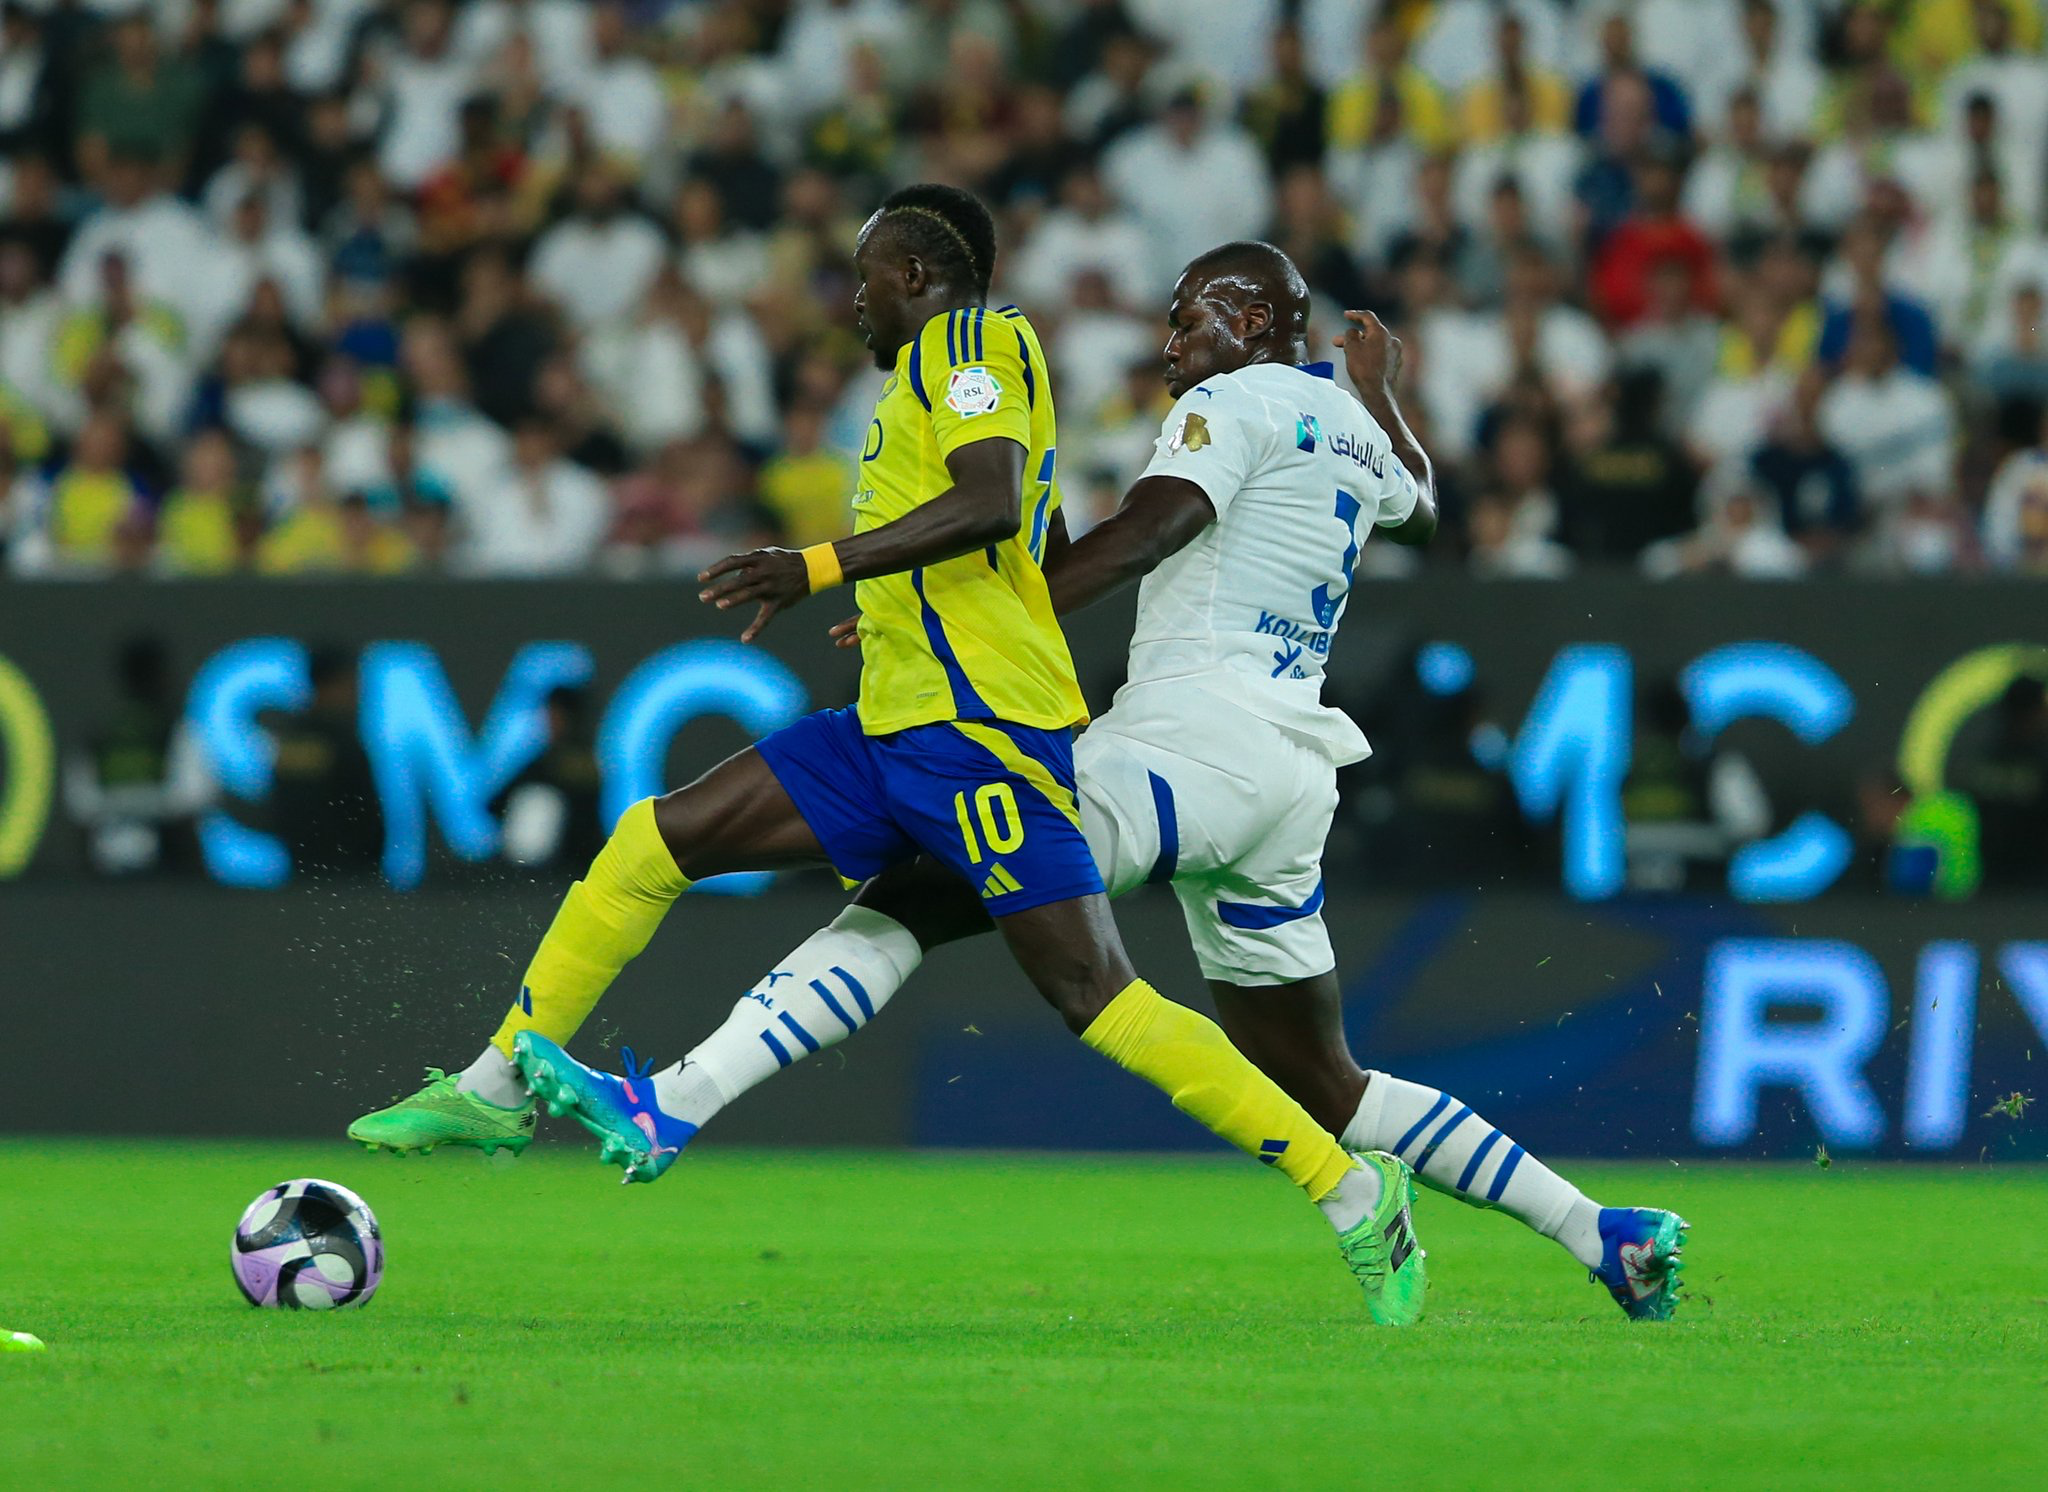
1160, 516
1372, 356
985, 505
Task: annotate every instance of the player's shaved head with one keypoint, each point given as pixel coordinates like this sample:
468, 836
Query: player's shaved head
1240, 303
1257, 271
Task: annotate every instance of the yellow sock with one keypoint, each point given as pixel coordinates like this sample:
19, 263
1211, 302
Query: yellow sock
1187, 1055
604, 921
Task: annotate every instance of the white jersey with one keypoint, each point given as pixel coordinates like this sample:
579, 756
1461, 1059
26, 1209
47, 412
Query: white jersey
1300, 475
1216, 768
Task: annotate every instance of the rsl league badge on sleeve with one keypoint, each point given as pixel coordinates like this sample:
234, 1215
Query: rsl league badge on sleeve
973, 391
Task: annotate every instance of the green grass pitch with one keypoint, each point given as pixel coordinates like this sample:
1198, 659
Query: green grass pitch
852, 1320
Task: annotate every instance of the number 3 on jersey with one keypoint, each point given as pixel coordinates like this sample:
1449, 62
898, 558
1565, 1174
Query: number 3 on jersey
1002, 827
1322, 600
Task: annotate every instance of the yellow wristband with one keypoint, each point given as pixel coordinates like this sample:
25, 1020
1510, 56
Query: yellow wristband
822, 562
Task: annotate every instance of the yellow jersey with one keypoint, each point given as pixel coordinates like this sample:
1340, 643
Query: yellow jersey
971, 638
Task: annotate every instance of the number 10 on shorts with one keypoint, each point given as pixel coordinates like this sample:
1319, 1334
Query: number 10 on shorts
1002, 827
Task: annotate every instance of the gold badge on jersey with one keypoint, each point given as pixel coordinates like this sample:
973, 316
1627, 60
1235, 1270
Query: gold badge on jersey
1192, 435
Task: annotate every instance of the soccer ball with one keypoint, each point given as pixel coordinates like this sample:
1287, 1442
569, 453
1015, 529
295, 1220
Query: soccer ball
308, 1246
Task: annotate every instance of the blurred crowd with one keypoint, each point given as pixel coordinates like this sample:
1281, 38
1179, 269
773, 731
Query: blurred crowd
524, 287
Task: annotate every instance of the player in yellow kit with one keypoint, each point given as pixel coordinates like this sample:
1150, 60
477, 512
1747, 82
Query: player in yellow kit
960, 747
942, 642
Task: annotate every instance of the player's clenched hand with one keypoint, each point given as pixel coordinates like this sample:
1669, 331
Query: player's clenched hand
1372, 354
774, 577
845, 634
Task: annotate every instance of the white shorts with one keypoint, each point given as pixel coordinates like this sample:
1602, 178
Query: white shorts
1230, 809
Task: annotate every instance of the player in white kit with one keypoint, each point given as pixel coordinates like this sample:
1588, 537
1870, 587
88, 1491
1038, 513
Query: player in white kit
1215, 768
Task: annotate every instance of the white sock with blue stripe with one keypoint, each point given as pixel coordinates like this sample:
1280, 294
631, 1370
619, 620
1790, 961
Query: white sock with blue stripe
821, 994
1456, 1151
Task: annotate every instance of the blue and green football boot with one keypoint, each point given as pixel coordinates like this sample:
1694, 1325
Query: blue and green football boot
632, 1131
1381, 1249
442, 1114
1641, 1251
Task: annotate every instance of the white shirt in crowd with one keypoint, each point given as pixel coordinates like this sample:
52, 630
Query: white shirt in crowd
1935, 167
1764, 551
653, 378
1226, 41
2018, 85
220, 285
1299, 475
1065, 243
1699, 41
1897, 431
20, 71
818, 43
1942, 268
527, 522
160, 237
234, 181
316, 57
28, 334
152, 356
627, 108
1458, 45
1521, 556
422, 131
356, 454
467, 450
1734, 415
1384, 177
274, 415
598, 271
1093, 350
1751, 547
727, 269
1189, 200
1719, 186
2016, 513
558, 29
1544, 166
1788, 84
1468, 361
1332, 36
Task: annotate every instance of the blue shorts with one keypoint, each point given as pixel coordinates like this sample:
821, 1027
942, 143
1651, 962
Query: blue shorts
993, 802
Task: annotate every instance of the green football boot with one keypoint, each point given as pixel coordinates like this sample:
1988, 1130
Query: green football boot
1381, 1249
1642, 1249
442, 1114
